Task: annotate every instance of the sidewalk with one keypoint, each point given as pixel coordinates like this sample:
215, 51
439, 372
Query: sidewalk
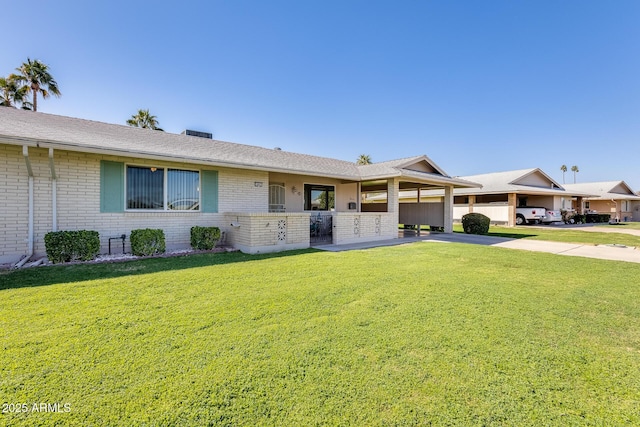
607, 252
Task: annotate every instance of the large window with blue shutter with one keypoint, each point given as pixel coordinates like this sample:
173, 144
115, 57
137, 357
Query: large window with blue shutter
148, 188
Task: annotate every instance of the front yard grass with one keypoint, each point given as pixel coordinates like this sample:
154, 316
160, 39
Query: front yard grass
422, 334
629, 225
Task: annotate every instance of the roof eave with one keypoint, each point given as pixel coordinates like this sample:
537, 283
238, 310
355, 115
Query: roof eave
43, 143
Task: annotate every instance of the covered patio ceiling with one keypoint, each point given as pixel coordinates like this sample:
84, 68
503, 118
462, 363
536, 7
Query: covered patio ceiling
415, 183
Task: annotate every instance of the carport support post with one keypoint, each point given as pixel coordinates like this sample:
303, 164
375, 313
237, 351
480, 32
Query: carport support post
448, 209
579, 205
418, 202
512, 197
393, 191
472, 201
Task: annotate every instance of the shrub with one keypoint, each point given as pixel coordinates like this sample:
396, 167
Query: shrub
475, 223
204, 238
595, 217
147, 241
65, 246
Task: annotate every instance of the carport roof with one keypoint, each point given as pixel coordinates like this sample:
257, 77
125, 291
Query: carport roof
532, 181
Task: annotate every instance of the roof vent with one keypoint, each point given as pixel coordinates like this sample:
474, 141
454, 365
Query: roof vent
199, 134
278, 149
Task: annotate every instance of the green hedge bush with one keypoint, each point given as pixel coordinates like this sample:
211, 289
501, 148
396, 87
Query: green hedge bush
204, 238
475, 223
65, 246
595, 217
147, 241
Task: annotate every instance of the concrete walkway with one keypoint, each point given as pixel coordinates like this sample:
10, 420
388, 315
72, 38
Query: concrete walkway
593, 228
608, 252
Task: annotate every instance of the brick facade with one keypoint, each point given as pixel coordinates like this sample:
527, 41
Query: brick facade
78, 200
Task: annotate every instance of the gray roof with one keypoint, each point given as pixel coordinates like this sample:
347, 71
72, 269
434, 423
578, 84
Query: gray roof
67, 133
514, 182
91, 136
616, 190
532, 181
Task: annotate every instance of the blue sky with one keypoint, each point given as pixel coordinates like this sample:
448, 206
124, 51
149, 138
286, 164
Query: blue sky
478, 86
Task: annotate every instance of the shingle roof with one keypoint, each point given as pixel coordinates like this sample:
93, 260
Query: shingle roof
86, 135
508, 182
60, 132
604, 190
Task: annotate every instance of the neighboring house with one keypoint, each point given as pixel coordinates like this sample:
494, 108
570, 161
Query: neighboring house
62, 173
614, 197
501, 193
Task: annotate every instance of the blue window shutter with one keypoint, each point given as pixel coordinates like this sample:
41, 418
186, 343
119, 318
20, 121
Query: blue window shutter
209, 189
111, 186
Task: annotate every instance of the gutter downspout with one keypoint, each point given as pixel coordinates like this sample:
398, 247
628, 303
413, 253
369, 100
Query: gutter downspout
617, 216
54, 192
25, 153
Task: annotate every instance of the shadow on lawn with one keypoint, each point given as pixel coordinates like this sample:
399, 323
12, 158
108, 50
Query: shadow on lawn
50, 275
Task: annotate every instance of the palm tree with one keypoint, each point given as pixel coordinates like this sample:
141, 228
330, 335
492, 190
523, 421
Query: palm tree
363, 159
12, 94
36, 78
563, 168
144, 120
575, 170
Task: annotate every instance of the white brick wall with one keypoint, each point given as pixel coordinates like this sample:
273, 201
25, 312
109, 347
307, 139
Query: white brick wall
260, 232
14, 205
78, 200
364, 226
243, 191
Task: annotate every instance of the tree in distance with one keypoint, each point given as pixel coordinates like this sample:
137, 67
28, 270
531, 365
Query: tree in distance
35, 76
142, 119
575, 170
363, 159
12, 93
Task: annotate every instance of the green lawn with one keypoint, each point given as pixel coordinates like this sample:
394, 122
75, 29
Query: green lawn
629, 225
557, 234
422, 334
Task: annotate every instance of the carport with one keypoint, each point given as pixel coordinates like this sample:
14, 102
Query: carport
497, 196
418, 175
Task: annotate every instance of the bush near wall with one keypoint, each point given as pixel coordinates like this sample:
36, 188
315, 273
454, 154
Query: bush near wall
591, 217
204, 238
475, 223
147, 241
65, 246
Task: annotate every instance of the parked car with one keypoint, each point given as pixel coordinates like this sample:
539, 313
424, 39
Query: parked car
552, 216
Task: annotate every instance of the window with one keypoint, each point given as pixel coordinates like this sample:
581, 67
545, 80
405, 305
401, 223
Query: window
145, 188
319, 197
124, 187
152, 188
183, 190
276, 197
